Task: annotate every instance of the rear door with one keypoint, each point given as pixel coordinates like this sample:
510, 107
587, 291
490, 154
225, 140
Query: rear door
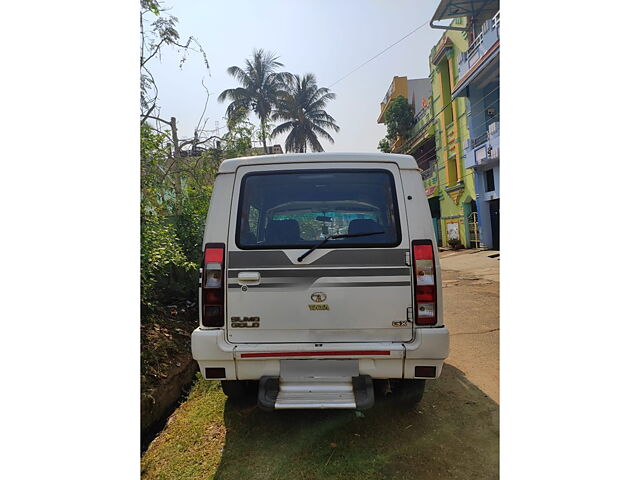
350, 289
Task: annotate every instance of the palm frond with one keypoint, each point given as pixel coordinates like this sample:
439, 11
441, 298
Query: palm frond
301, 106
260, 85
315, 143
240, 75
323, 133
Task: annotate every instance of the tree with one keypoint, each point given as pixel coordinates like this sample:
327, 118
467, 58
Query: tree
161, 32
302, 108
260, 86
237, 141
384, 145
398, 118
156, 33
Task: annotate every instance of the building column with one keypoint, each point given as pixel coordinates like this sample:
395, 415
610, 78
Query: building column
454, 106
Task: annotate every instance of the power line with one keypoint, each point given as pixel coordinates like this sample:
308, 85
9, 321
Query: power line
437, 149
435, 116
377, 55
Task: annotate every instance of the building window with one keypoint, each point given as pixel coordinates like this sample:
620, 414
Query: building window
446, 92
452, 171
488, 175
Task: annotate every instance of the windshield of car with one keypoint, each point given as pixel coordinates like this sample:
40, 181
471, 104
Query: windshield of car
296, 209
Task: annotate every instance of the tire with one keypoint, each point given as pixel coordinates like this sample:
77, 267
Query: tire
410, 391
240, 391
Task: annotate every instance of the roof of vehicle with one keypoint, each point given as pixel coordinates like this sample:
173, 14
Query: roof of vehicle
403, 161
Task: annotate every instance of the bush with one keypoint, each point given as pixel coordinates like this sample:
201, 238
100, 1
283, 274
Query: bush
174, 201
162, 259
170, 220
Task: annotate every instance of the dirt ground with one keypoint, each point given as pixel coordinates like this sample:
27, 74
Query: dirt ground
452, 434
472, 313
166, 366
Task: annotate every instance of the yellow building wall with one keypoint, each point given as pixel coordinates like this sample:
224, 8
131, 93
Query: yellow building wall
456, 185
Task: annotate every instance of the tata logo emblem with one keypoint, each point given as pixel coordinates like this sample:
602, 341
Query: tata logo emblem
318, 297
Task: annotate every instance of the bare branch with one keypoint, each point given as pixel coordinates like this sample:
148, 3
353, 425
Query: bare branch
160, 120
205, 104
146, 115
152, 54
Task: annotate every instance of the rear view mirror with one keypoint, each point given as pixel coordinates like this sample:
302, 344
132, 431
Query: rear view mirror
324, 219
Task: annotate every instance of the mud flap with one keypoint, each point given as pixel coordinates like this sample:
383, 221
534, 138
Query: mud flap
363, 392
268, 393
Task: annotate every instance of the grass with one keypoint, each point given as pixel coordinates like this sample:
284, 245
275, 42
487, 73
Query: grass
192, 442
453, 433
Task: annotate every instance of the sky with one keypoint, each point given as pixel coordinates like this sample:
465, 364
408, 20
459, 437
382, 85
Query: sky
328, 38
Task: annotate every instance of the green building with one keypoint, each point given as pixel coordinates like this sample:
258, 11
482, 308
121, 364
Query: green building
436, 142
455, 183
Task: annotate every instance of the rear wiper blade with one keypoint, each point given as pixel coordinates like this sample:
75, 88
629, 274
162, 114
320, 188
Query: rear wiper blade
333, 237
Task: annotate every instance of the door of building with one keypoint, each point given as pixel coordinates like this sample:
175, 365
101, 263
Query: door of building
434, 206
474, 235
494, 216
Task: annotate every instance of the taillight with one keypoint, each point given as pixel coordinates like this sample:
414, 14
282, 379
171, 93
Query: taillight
424, 274
213, 285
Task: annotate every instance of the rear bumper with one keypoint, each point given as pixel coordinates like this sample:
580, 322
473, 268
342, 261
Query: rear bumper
376, 359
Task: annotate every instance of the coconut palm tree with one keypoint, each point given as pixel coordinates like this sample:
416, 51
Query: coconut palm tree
260, 85
302, 108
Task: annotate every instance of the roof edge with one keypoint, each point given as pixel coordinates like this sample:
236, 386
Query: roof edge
404, 162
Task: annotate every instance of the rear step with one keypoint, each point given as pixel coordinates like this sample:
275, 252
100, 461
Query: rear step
302, 393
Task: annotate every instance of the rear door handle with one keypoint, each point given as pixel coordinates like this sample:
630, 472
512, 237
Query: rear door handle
249, 278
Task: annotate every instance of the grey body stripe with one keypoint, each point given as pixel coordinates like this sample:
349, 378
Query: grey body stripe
364, 284
320, 285
366, 257
326, 272
269, 285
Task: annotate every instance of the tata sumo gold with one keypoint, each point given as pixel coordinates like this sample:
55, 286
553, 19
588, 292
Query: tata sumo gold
320, 281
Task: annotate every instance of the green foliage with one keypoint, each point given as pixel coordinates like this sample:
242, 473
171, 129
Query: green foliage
237, 140
151, 5
384, 145
171, 223
174, 201
260, 85
301, 106
160, 256
398, 118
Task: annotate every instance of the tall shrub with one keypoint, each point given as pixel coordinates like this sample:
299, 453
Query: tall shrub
162, 254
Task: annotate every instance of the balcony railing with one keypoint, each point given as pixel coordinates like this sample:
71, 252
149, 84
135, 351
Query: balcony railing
480, 139
423, 111
423, 122
430, 171
389, 93
484, 148
489, 34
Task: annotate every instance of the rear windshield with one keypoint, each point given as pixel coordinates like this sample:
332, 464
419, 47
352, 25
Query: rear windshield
297, 209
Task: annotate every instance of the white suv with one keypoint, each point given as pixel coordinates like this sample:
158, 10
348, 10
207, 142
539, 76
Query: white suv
320, 274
